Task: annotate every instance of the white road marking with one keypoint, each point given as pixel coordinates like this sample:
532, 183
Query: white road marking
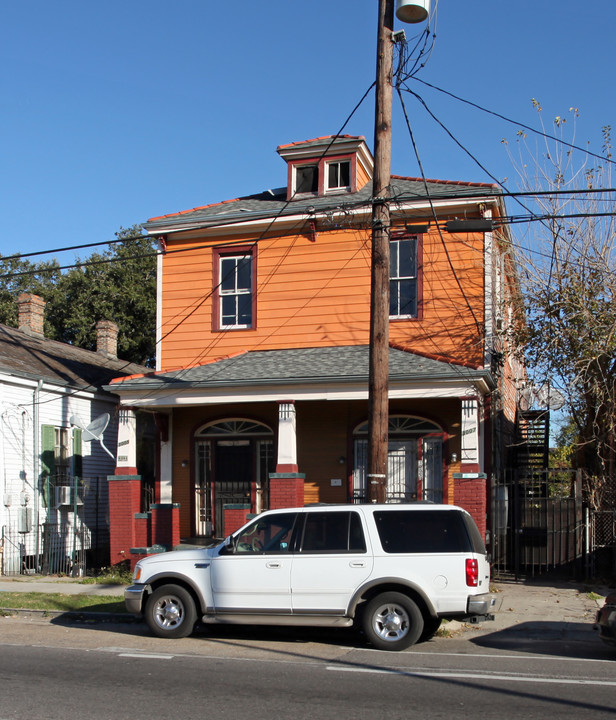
475, 676
149, 656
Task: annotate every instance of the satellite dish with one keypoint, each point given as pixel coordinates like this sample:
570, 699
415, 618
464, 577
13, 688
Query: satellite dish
526, 398
93, 431
549, 397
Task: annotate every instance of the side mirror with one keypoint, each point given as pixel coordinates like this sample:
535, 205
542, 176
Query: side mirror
229, 546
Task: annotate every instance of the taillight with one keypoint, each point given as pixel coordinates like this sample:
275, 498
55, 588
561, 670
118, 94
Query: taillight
472, 572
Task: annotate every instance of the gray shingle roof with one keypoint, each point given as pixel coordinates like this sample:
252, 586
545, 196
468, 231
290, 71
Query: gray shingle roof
32, 357
273, 203
306, 365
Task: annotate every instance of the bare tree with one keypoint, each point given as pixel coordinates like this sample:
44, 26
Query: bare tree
569, 285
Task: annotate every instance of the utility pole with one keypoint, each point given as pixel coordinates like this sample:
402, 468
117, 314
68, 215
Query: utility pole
378, 385
411, 11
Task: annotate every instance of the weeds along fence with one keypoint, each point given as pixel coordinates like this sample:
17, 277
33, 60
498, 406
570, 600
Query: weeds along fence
69, 536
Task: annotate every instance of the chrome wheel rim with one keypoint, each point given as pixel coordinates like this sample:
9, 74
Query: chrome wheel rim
168, 612
391, 622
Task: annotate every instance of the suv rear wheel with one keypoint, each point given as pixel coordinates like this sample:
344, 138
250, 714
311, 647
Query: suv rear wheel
392, 621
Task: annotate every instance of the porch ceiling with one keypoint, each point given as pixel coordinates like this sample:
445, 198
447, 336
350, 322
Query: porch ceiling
333, 373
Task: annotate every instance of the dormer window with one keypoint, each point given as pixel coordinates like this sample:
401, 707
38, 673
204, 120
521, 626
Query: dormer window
324, 177
327, 166
339, 175
306, 179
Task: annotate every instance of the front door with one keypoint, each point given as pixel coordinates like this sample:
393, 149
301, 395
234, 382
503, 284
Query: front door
233, 460
414, 463
402, 470
233, 478
223, 476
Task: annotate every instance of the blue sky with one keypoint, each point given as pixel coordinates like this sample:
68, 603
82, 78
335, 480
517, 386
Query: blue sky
119, 111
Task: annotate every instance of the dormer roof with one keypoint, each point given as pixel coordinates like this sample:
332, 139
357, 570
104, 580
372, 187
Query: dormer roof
327, 146
330, 165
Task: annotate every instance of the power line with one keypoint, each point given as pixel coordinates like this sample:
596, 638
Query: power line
515, 122
20, 256
445, 248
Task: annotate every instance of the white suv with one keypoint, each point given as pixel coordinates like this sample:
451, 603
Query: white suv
394, 570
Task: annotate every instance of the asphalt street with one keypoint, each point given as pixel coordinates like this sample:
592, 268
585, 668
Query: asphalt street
53, 668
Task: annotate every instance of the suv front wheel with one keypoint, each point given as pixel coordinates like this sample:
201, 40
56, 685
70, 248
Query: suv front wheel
392, 621
170, 612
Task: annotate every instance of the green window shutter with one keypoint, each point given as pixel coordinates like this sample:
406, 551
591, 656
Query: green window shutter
77, 456
48, 462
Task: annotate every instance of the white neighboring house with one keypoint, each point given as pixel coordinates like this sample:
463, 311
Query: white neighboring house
58, 439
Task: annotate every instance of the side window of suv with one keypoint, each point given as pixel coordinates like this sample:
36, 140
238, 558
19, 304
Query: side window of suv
333, 532
412, 531
269, 534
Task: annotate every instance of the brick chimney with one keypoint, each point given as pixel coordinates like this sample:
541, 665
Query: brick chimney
107, 339
31, 314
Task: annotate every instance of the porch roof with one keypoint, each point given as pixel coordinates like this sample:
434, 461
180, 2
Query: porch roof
289, 367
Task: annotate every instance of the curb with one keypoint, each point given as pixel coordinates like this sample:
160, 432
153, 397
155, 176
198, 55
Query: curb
71, 615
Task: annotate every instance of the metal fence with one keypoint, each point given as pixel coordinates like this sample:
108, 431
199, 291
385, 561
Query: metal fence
538, 523
428, 495
70, 534
601, 561
48, 549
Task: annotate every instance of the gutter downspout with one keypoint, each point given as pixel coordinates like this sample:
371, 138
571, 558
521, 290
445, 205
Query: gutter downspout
36, 459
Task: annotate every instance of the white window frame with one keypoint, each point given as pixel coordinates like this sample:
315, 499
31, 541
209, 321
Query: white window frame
301, 166
396, 280
235, 292
338, 164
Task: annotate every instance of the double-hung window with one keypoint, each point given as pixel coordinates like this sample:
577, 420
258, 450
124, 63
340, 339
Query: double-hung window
235, 290
338, 175
403, 280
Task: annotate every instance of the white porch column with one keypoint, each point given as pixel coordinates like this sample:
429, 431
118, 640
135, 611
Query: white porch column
126, 463
287, 437
469, 445
164, 423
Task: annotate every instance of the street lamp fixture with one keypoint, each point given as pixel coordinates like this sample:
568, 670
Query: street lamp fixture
412, 11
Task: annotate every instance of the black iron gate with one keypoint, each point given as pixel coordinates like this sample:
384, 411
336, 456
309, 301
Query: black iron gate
538, 525
537, 513
233, 484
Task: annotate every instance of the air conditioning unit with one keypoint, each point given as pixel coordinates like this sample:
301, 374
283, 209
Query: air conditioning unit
64, 496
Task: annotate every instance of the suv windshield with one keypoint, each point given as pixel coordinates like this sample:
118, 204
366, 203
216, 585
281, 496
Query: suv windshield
413, 531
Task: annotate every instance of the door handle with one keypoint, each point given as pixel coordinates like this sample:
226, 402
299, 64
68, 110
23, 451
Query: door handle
357, 564
273, 565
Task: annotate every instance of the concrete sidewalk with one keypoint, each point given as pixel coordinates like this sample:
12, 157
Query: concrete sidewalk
539, 605
542, 607
52, 584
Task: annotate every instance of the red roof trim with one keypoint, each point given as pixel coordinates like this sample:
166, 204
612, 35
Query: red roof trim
325, 137
201, 207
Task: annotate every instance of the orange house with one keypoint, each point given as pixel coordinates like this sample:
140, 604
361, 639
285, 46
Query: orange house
261, 387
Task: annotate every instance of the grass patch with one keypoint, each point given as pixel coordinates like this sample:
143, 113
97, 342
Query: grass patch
56, 602
117, 575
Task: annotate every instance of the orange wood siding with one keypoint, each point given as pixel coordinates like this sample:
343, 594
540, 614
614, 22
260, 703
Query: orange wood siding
362, 176
312, 294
